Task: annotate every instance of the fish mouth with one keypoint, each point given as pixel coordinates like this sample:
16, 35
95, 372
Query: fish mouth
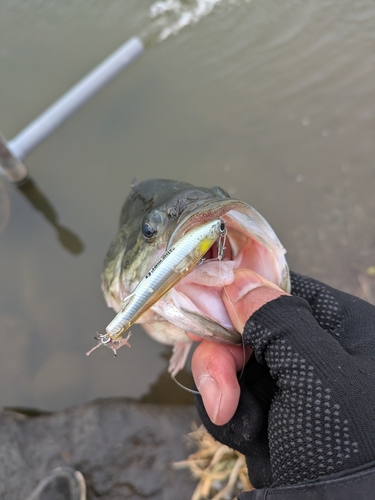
250, 242
195, 304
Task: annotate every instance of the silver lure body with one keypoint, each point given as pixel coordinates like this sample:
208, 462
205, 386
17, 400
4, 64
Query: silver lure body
168, 270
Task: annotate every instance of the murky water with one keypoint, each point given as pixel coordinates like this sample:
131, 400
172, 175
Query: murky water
273, 101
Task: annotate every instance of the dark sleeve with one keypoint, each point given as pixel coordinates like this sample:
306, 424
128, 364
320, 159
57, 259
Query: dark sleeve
359, 485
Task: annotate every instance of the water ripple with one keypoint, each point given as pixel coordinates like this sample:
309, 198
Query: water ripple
174, 15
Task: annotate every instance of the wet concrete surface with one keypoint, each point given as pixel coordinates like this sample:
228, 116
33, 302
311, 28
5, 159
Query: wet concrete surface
123, 449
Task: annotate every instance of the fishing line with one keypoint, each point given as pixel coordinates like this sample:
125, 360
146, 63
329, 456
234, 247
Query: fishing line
187, 389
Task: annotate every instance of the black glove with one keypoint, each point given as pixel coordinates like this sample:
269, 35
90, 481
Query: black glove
307, 404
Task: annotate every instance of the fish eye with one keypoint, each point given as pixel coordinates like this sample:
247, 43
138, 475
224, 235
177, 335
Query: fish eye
222, 226
152, 224
148, 231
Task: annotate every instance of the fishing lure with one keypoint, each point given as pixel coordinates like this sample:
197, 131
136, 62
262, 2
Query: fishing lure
177, 261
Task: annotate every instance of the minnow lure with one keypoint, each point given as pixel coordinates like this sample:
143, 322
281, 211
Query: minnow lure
177, 261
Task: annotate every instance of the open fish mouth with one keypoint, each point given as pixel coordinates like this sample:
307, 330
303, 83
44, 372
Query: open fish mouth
195, 304
156, 215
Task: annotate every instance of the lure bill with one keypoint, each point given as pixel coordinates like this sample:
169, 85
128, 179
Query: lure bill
177, 261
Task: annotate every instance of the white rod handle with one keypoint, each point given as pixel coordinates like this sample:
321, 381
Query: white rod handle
73, 99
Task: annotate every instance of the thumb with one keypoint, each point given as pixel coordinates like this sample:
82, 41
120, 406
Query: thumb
246, 294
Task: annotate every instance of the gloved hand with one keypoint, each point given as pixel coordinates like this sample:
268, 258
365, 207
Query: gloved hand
307, 404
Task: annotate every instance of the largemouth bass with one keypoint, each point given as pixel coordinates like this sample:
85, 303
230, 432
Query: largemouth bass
158, 214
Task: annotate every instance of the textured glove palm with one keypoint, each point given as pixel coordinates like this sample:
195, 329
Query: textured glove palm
307, 402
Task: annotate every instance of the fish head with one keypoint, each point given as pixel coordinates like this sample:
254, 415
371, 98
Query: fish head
148, 218
155, 215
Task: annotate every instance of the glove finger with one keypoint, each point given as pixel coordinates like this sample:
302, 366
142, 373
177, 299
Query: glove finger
349, 319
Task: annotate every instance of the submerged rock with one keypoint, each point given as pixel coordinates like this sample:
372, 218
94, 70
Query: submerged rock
123, 449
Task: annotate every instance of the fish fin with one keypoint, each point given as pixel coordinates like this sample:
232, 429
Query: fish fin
179, 356
215, 332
